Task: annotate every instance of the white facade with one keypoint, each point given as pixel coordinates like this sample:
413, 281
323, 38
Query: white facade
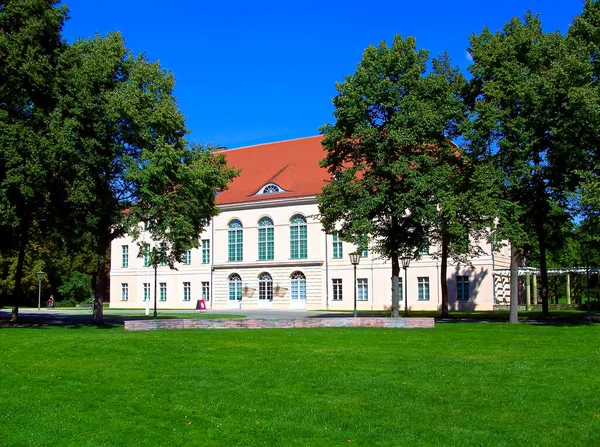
322, 266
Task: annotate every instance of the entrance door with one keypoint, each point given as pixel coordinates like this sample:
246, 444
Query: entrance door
298, 289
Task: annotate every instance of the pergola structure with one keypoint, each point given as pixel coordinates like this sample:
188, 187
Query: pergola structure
528, 279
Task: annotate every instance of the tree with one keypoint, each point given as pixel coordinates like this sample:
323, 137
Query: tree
30, 169
393, 124
527, 92
130, 160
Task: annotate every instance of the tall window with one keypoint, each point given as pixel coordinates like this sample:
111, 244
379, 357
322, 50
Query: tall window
363, 246
423, 282
236, 241
337, 289
425, 248
266, 245
146, 291
265, 286
235, 287
163, 253
462, 287
163, 291
205, 251
400, 289
205, 290
298, 237
146, 251
124, 292
362, 286
298, 286
187, 257
187, 291
124, 255
338, 252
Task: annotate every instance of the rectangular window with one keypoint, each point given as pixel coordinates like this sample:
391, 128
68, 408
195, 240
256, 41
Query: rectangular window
163, 253
462, 288
363, 246
125, 256
338, 252
423, 282
400, 289
187, 291
236, 239
146, 256
205, 251
187, 257
163, 291
146, 291
205, 291
235, 290
362, 286
124, 292
425, 248
337, 289
298, 240
266, 244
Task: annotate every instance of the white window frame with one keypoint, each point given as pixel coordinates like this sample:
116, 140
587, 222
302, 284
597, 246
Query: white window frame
338, 290
362, 289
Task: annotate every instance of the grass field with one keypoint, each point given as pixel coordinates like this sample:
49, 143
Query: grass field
458, 384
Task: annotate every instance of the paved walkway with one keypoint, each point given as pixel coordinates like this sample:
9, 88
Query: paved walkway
57, 316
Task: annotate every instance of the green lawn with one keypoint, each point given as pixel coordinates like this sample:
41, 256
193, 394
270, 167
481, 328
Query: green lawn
461, 384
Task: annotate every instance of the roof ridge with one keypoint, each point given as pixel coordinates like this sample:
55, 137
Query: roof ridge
271, 142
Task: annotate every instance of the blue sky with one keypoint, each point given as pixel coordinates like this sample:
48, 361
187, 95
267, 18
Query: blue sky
254, 71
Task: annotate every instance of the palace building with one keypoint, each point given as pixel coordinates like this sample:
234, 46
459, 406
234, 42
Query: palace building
267, 249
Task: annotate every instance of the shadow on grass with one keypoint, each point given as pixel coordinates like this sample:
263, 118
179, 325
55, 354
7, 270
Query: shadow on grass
556, 318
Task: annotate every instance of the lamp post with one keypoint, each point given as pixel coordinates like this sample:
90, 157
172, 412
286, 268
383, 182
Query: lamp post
405, 263
586, 254
40, 276
354, 260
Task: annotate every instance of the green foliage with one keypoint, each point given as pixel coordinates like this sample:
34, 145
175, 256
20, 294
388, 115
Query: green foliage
32, 181
76, 287
396, 175
535, 114
391, 119
124, 136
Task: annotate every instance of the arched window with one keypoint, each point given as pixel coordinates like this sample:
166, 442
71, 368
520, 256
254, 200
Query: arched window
236, 241
265, 286
298, 281
298, 237
266, 245
235, 287
270, 188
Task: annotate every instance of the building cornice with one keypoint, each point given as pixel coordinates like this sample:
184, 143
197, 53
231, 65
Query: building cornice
268, 264
284, 201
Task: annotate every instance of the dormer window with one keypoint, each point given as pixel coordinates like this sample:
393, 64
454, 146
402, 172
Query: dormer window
270, 188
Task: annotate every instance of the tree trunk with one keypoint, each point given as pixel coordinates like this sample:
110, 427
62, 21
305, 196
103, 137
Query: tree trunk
395, 273
17, 291
543, 271
443, 277
101, 279
514, 285
100, 291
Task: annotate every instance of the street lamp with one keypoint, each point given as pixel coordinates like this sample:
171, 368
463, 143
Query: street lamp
354, 260
586, 254
40, 276
405, 263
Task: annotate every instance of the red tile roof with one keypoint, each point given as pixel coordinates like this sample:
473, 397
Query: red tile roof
292, 165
